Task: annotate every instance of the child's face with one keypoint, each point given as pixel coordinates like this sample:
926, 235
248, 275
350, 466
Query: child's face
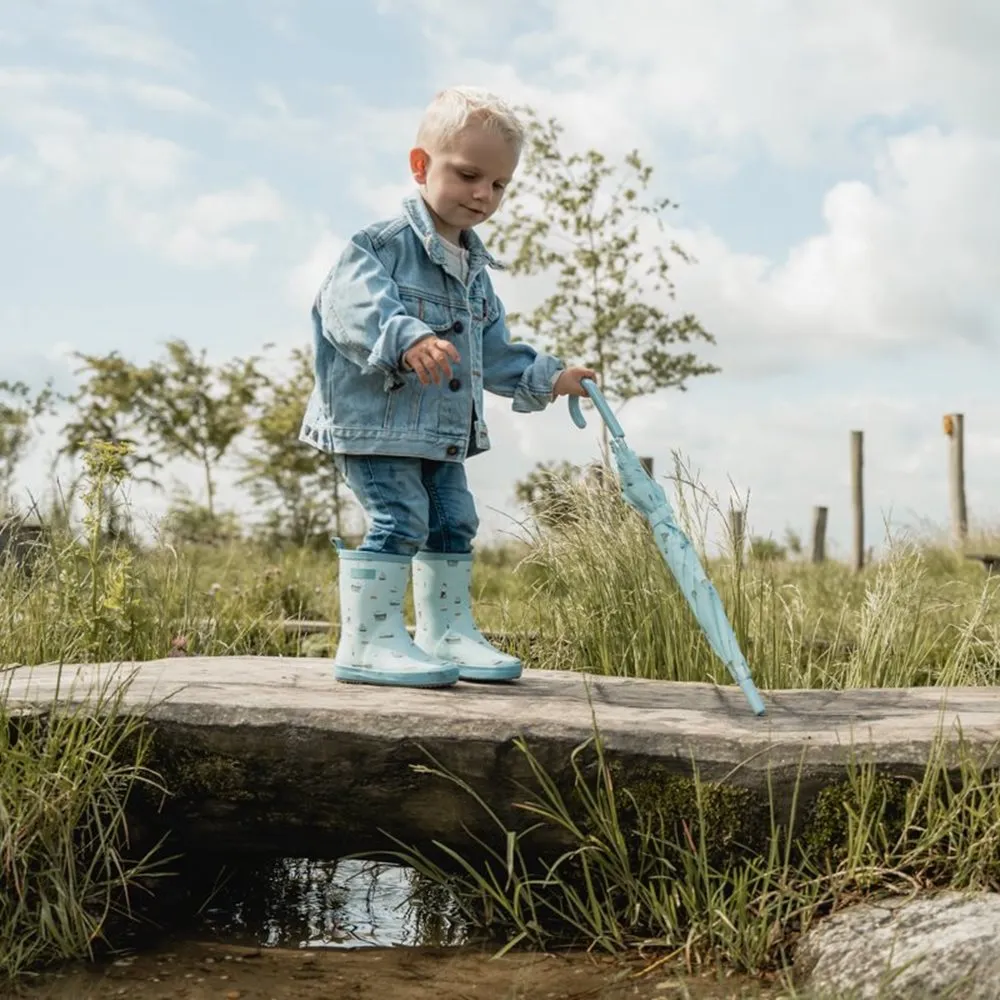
463, 184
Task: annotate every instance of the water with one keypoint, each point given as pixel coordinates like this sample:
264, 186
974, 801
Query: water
305, 903
312, 926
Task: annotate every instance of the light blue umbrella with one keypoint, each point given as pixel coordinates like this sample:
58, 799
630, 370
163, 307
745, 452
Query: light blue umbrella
646, 495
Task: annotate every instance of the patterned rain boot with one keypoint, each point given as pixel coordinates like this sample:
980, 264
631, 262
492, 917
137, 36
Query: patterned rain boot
442, 584
375, 647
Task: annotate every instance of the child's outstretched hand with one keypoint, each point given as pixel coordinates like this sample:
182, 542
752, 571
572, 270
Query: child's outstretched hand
568, 382
429, 359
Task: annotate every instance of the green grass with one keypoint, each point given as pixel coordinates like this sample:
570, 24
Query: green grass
641, 874
607, 603
592, 594
67, 865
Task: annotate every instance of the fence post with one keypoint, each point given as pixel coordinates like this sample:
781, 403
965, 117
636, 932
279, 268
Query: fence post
954, 427
737, 528
819, 534
858, 496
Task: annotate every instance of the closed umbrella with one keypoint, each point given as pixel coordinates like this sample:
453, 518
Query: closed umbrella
645, 495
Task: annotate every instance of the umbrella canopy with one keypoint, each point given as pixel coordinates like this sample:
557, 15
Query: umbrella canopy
645, 495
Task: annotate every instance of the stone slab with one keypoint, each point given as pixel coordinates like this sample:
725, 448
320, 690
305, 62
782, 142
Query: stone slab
271, 754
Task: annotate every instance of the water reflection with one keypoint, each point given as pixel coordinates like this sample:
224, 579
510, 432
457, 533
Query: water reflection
304, 903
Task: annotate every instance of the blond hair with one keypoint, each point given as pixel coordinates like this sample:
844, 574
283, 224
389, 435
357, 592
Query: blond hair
452, 110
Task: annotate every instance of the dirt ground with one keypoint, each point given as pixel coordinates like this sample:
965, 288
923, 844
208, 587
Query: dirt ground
206, 971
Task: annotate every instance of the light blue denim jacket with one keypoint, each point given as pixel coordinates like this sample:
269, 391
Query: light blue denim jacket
389, 289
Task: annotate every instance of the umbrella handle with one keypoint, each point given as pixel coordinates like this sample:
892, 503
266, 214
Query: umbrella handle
602, 407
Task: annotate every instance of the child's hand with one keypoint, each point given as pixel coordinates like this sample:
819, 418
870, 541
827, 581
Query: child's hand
568, 382
429, 359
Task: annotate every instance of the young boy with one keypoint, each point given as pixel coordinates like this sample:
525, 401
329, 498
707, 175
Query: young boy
408, 334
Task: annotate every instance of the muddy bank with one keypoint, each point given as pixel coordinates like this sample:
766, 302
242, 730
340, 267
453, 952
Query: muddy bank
193, 970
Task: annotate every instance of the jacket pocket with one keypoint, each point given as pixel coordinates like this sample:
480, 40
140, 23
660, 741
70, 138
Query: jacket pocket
439, 316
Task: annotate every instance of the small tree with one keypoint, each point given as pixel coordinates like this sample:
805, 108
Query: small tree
547, 491
107, 409
19, 411
766, 549
299, 485
194, 410
189, 522
607, 309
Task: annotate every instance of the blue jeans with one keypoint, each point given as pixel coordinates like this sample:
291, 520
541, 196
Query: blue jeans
411, 504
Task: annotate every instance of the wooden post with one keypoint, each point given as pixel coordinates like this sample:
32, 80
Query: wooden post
819, 534
954, 427
647, 464
858, 496
737, 527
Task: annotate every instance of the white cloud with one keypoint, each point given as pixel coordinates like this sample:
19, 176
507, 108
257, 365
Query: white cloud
272, 121
200, 233
905, 259
21, 85
9, 167
895, 281
256, 201
70, 152
146, 179
25, 83
902, 266
129, 44
383, 201
133, 160
160, 97
787, 450
795, 77
305, 277
908, 262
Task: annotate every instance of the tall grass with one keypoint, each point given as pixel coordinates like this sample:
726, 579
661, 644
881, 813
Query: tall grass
605, 601
595, 595
87, 597
659, 875
589, 593
67, 864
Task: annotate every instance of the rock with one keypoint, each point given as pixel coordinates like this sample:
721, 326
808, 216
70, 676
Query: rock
20, 541
271, 754
920, 948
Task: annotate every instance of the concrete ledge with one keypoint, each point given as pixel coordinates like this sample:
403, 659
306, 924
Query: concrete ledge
271, 754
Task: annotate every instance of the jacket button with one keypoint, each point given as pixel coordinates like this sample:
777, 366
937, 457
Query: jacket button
457, 326
452, 449
454, 385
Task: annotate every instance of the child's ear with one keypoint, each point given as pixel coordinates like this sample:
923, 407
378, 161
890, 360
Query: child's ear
418, 164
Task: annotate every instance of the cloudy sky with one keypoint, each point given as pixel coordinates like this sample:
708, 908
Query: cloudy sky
188, 168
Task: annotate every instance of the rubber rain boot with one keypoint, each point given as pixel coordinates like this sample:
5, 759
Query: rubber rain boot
442, 597
375, 646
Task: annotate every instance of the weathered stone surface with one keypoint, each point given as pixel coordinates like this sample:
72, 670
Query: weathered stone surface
272, 754
924, 948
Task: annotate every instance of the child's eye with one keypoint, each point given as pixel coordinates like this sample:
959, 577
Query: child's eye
468, 176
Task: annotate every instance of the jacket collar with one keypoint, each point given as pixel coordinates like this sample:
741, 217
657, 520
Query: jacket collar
419, 218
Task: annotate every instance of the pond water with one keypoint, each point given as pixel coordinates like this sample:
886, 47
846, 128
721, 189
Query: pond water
300, 929
303, 903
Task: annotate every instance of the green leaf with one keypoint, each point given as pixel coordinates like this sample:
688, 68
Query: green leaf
577, 218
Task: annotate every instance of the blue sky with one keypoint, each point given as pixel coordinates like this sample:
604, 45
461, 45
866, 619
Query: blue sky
189, 169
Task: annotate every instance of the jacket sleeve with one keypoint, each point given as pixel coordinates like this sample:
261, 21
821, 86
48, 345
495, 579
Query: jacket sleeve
362, 314
515, 370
